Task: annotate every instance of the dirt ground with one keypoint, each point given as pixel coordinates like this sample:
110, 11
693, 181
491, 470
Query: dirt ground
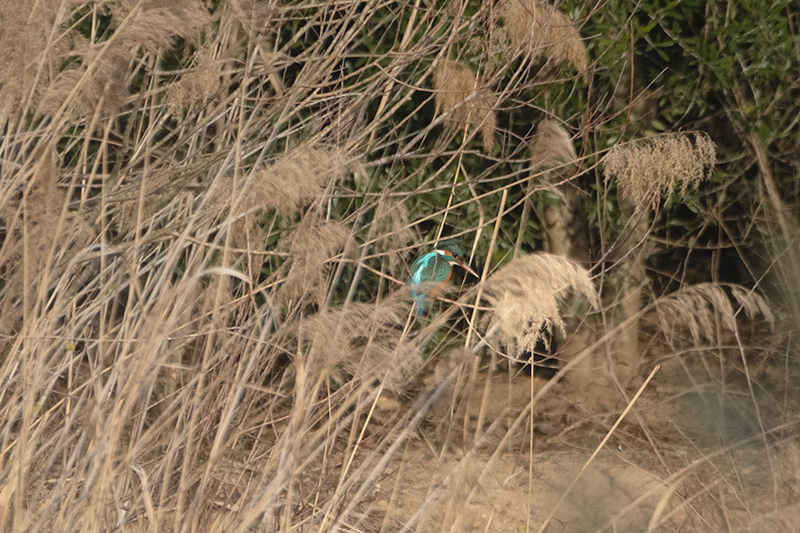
695, 453
677, 475
511, 494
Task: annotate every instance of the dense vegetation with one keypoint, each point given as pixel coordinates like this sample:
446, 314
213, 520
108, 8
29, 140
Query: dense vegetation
208, 214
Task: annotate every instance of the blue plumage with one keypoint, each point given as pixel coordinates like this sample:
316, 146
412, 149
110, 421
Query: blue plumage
436, 267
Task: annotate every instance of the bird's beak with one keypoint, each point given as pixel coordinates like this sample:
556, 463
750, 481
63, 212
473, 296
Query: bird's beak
460, 262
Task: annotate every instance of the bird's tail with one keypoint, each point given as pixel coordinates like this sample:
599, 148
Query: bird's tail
419, 302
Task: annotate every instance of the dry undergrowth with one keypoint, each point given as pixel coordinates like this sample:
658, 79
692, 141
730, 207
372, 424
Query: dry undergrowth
208, 215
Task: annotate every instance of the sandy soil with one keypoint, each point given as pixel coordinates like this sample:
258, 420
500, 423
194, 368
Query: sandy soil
674, 477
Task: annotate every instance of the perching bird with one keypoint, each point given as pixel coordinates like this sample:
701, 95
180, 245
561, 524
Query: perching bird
435, 266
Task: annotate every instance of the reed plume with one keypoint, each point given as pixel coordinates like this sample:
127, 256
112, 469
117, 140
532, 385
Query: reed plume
551, 147
393, 229
32, 36
98, 80
311, 245
196, 86
524, 297
296, 179
701, 308
454, 83
537, 28
366, 340
647, 169
35, 243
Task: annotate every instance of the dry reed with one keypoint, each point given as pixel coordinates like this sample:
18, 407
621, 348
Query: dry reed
34, 245
295, 180
455, 84
647, 169
524, 297
364, 340
311, 245
98, 79
393, 229
159, 379
535, 27
31, 53
157, 191
551, 147
201, 83
701, 308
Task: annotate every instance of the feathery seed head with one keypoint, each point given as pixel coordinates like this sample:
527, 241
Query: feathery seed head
297, 178
364, 339
393, 230
535, 27
312, 245
701, 308
647, 169
524, 297
551, 147
454, 83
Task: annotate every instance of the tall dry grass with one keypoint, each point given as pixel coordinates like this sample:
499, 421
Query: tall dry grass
208, 213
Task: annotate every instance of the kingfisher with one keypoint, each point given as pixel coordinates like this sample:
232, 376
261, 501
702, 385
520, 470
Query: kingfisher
435, 266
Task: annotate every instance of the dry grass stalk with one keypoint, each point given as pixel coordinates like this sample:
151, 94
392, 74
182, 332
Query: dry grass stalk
311, 245
456, 361
35, 229
30, 55
158, 396
701, 308
153, 24
650, 168
454, 83
157, 193
553, 154
104, 91
365, 340
524, 297
535, 27
252, 15
292, 182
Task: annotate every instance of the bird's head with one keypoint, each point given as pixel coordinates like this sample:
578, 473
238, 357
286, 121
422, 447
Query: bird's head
452, 253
